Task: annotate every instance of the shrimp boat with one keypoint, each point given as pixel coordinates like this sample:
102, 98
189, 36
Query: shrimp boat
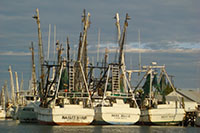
117, 106
28, 98
64, 98
26, 110
154, 110
115, 103
27, 113
64, 105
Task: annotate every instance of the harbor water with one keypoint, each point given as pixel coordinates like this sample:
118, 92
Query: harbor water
11, 126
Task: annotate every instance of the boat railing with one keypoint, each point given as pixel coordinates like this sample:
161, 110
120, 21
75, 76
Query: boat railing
73, 95
119, 95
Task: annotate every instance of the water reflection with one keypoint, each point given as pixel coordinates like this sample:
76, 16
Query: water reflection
10, 126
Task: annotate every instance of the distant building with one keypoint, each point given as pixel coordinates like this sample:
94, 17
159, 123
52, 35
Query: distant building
190, 97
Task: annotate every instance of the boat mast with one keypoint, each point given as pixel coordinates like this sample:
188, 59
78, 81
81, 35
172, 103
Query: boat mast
105, 58
67, 53
82, 50
33, 71
121, 41
6, 91
80, 74
3, 97
59, 51
68, 50
79, 47
12, 86
118, 28
41, 57
17, 88
22, 83
83, 42
151, 86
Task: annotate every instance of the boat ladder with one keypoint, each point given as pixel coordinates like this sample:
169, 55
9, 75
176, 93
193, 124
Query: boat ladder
71, 77
115, 79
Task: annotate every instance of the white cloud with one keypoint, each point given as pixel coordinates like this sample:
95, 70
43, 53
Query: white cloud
11, 18
15, 53
163, 50
153, 47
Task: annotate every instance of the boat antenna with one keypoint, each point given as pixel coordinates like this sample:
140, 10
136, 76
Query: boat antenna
98, 45
139, 43
49, 36
54, 43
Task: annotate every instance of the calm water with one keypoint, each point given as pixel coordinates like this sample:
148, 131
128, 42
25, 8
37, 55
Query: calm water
10, 126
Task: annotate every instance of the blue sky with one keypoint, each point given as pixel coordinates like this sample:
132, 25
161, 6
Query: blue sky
170, 32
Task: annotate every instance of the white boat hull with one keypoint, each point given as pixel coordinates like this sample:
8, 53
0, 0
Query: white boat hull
68, 115
2, 114
27, 114
116, 115
162, 116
